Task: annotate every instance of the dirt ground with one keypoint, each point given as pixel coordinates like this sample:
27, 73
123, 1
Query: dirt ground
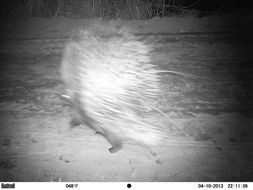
214, 109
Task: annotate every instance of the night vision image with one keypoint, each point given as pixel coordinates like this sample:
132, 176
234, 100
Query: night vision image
126, 90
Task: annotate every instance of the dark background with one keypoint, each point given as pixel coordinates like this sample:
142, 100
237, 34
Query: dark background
125, 9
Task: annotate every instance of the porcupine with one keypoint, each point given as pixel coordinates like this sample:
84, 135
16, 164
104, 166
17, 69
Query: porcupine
111, 84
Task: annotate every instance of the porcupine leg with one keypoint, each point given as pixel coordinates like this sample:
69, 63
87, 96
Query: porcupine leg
75, 115
81, 116
75, 120
113, 140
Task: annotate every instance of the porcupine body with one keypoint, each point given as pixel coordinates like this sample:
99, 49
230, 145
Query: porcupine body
111, 84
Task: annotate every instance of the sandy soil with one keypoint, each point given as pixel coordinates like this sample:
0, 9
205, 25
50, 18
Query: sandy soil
214, 109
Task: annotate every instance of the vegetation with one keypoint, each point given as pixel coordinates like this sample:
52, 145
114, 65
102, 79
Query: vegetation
113, 9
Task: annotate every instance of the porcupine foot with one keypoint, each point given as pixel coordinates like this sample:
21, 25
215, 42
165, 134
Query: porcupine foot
115, 148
